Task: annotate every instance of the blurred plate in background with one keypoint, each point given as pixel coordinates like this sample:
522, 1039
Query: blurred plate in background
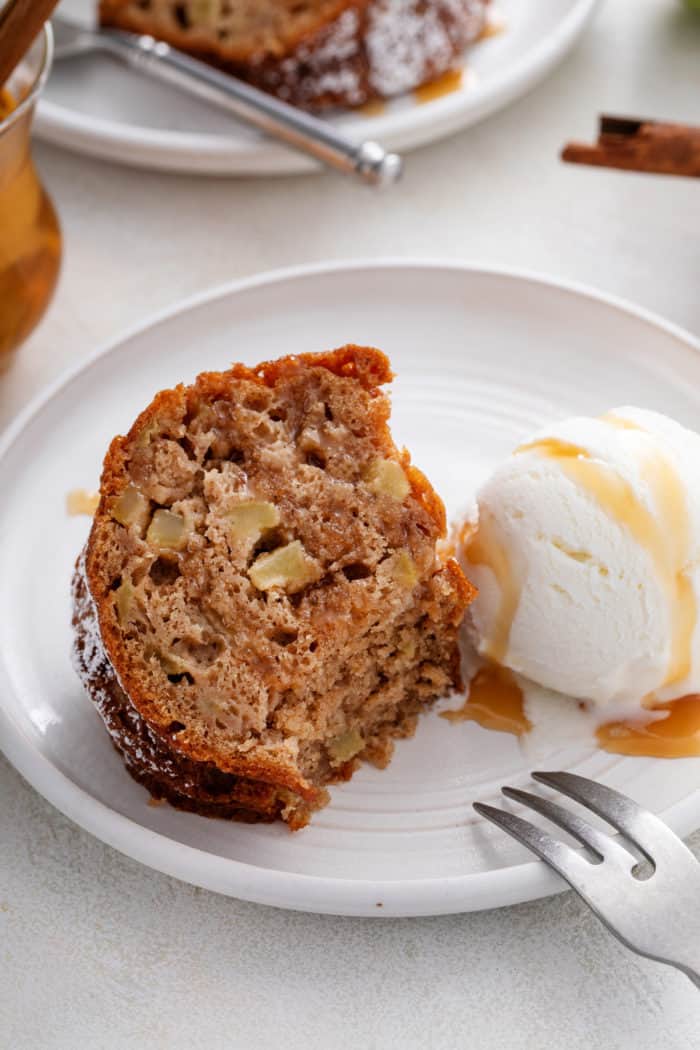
95, 106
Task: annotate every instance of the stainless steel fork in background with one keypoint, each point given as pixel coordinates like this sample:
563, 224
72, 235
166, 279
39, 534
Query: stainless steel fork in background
302, 131
657, 916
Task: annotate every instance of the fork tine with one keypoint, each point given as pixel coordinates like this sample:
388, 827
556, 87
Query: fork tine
602, 845
566, 861
646, 831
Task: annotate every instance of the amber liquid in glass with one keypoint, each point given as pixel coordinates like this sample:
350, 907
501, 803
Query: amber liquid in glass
30, 237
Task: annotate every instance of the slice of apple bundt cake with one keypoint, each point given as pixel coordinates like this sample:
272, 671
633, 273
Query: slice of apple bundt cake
260, 604
314, 53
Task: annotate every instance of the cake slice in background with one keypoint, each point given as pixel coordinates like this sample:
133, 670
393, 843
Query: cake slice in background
260, 603
314, 53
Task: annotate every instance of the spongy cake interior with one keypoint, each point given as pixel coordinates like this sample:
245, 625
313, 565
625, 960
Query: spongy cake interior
264, 566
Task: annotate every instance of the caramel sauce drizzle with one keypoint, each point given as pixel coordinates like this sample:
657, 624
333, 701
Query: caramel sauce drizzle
665, 535
676, 736
495, 701
7, 103
80, 501
444, 85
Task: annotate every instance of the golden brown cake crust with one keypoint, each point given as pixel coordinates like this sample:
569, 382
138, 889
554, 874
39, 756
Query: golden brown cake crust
235, 696
319, 53
198, 787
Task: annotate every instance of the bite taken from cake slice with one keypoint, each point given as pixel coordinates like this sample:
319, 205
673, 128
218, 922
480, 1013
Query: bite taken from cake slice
260, 604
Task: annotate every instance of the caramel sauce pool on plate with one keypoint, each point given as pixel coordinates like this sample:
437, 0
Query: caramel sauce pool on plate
496, 701
444, 85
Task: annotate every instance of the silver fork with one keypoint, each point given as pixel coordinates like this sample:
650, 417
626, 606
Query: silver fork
302, 131
657, 916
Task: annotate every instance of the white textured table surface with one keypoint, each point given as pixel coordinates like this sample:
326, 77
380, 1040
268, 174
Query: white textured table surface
97, 951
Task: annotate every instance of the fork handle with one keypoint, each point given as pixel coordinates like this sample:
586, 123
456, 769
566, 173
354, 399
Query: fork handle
680, 948
298, 129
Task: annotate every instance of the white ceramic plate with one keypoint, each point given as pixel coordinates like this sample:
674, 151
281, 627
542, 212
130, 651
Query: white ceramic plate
94, 106
481, 358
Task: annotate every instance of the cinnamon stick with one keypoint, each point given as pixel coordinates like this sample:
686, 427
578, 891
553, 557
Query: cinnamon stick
20, 22
640, 145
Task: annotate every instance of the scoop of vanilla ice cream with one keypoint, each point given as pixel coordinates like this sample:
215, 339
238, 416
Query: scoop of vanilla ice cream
586, 553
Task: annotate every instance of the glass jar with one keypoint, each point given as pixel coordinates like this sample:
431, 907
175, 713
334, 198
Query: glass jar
30, 237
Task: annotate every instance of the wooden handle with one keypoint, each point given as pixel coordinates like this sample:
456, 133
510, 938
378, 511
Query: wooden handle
20, 24
641, 145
